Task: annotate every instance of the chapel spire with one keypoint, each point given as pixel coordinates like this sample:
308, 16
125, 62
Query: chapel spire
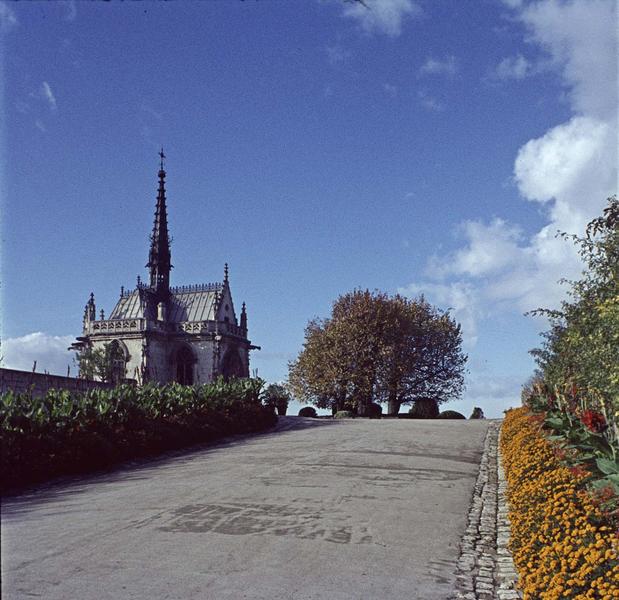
244, 319
159, 256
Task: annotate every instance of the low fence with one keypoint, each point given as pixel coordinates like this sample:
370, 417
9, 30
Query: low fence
24, 381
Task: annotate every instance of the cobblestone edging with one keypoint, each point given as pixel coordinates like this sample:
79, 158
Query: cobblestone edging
485, 570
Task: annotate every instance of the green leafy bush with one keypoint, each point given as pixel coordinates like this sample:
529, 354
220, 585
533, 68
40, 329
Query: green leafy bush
451, 414
424, 408
343, 414
65, 433
308, 411
576, 387
278, 397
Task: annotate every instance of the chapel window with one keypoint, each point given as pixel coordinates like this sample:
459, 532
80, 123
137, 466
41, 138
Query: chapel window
184, 366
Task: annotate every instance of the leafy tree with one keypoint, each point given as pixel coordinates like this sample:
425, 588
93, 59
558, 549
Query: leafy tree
377, 348
338, 366
423, 356
581, 348
106, 363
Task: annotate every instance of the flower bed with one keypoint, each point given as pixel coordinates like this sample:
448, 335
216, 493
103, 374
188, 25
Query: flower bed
563, 544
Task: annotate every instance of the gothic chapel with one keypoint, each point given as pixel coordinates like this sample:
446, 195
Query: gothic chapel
188, 334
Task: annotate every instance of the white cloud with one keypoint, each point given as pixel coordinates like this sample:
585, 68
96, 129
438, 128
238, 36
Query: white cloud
489, 249
580, 38
570, 170
514, 67
506, 269
568, 160
48, 94
8, 18
40, 125
436, 66
382, 16
50, 352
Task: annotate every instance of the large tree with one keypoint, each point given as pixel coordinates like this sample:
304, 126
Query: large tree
422, 357
377, 348
581, 348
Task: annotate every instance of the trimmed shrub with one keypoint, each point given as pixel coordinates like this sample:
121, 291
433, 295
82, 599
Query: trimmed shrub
308, 411
477, 413
451, 414
424, 408
343, 414
374, 411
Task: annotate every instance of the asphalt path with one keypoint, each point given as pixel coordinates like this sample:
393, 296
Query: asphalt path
315, 509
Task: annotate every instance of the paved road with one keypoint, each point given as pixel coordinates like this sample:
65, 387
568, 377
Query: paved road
318, 509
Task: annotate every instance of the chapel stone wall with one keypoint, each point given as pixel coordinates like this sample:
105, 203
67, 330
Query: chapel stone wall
203, 350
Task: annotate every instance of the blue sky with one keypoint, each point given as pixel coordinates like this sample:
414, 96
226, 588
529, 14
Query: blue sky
316, 147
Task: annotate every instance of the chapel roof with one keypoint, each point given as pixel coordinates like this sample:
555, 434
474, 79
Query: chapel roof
186, 303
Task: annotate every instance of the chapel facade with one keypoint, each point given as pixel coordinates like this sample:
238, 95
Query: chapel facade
189, 334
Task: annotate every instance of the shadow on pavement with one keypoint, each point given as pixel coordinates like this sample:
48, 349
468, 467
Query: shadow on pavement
19, 501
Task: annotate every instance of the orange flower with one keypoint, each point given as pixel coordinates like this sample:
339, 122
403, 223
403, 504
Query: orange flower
561, 542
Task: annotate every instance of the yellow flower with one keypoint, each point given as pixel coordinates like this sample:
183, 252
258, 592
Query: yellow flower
557, 546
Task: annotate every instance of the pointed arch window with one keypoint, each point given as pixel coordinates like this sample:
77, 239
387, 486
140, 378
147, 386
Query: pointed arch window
232, 365
185, 366
118, 362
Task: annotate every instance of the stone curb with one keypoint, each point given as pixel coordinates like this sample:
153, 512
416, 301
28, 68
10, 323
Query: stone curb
485, 569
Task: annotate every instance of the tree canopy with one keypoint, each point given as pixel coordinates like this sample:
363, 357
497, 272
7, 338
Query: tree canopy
106, 363
581, 348
379, 348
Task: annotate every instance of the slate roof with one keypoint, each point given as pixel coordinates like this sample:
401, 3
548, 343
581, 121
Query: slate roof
192, 306
187, 303
130, 306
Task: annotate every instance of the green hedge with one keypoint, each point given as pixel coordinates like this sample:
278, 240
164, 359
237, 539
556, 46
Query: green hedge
451, 414
64, 433
343, 414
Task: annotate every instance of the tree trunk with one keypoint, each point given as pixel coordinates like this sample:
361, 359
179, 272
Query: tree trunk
393, 407
393, 403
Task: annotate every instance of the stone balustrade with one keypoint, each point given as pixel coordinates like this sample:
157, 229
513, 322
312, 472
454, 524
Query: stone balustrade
113, 326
